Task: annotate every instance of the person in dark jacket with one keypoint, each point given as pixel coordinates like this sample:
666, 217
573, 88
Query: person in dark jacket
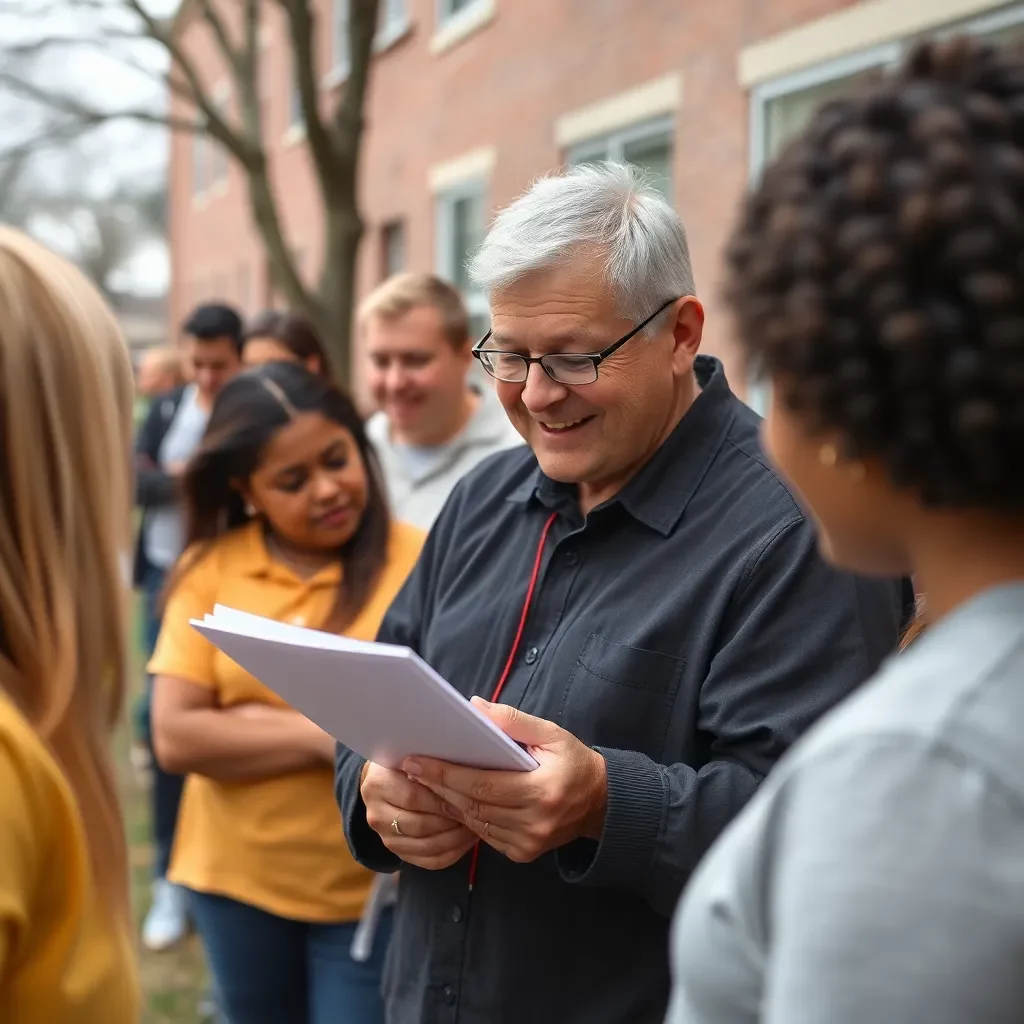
638, 599
166, 440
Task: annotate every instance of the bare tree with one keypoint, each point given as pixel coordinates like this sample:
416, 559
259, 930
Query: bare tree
333, 134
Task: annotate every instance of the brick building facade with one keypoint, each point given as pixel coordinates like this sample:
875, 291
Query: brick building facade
471, 99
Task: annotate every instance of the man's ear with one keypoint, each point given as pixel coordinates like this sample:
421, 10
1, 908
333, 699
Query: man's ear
688, 329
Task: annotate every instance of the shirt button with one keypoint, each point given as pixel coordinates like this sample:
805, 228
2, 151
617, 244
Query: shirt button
449, 995
532, 655
571, 557
456, 913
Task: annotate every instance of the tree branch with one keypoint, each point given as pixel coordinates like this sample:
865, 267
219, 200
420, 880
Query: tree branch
91, 117
220, 33
248, 75
302, 27
216, 123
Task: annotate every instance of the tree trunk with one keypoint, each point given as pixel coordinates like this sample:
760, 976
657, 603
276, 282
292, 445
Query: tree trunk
344, 231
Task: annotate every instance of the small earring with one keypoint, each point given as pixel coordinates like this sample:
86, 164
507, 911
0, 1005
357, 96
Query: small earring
250, 510
828, 456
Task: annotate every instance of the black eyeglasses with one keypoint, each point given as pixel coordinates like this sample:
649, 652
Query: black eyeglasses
562, 367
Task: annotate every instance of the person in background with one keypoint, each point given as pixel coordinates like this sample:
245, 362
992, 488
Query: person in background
287, 519
636, 597
160, 372
276, 336
65, 499
876, 275
165, 442
432, 426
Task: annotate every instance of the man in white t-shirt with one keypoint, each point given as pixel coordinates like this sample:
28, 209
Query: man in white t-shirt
433, 425
167, 439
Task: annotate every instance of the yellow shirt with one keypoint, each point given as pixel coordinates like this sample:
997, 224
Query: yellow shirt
278, 843
63, 958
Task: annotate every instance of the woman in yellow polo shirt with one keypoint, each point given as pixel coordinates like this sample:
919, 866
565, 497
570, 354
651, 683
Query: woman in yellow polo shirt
287, 519
65, 497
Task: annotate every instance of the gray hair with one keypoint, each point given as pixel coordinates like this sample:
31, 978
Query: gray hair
611, 207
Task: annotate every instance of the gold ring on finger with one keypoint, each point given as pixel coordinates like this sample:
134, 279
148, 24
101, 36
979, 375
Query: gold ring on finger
395, 828
487, 829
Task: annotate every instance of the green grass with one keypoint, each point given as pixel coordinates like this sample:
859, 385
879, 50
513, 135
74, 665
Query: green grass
172, 982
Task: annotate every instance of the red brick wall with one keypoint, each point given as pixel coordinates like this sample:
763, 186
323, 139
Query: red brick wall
504, 86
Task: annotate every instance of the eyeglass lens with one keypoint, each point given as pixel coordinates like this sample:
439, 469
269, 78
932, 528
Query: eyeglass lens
564, 368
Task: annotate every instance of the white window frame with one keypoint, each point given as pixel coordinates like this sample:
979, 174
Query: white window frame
393, 25
444, 201
612, 145
882, 56
451, 26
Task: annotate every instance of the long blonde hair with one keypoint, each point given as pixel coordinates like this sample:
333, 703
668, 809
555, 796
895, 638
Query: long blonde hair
65, 501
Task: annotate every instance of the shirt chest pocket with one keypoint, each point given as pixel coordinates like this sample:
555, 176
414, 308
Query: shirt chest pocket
620, 696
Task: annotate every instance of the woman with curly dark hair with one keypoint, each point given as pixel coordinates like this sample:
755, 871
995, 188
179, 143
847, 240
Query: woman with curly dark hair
877, 276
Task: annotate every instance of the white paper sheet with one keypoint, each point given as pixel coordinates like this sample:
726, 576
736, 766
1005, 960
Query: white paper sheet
382, 701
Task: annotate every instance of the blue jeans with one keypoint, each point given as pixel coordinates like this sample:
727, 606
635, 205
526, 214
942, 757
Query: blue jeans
165, 795
272, 970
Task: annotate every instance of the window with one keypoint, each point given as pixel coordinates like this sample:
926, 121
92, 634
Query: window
200, 161
218, 160
458, 20
460, 230
782, 108
296, 115
393, 20
392, 249
450, 8
648, 145
339, 37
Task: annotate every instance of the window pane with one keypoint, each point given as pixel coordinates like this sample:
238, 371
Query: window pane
654, 155
199, 148
340, 41
787, 116
467, 234
393, 239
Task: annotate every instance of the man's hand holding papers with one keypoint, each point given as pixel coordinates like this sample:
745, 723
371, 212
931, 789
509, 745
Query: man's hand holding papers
521, 814
411, 821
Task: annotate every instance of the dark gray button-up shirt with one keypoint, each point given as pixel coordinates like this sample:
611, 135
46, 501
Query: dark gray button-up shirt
689, 631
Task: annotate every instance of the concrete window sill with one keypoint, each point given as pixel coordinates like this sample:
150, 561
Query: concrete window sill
462, 25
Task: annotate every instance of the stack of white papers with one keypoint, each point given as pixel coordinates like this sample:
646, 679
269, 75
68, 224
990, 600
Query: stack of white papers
380, 700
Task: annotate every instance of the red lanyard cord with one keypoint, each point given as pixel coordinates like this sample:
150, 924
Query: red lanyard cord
534, 576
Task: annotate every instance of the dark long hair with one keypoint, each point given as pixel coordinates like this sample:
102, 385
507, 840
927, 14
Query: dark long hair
247, 414
293, 331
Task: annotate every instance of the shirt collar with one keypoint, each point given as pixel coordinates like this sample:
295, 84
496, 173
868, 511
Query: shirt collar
659, 493
260, 565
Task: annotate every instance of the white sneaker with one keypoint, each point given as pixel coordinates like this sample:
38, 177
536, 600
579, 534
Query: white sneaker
167, 922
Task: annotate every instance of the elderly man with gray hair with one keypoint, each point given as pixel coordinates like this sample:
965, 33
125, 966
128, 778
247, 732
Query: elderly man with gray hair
634, 597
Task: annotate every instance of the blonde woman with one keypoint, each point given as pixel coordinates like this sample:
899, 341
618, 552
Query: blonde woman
65, 435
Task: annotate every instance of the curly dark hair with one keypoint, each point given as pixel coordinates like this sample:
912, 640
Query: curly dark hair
877, 274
